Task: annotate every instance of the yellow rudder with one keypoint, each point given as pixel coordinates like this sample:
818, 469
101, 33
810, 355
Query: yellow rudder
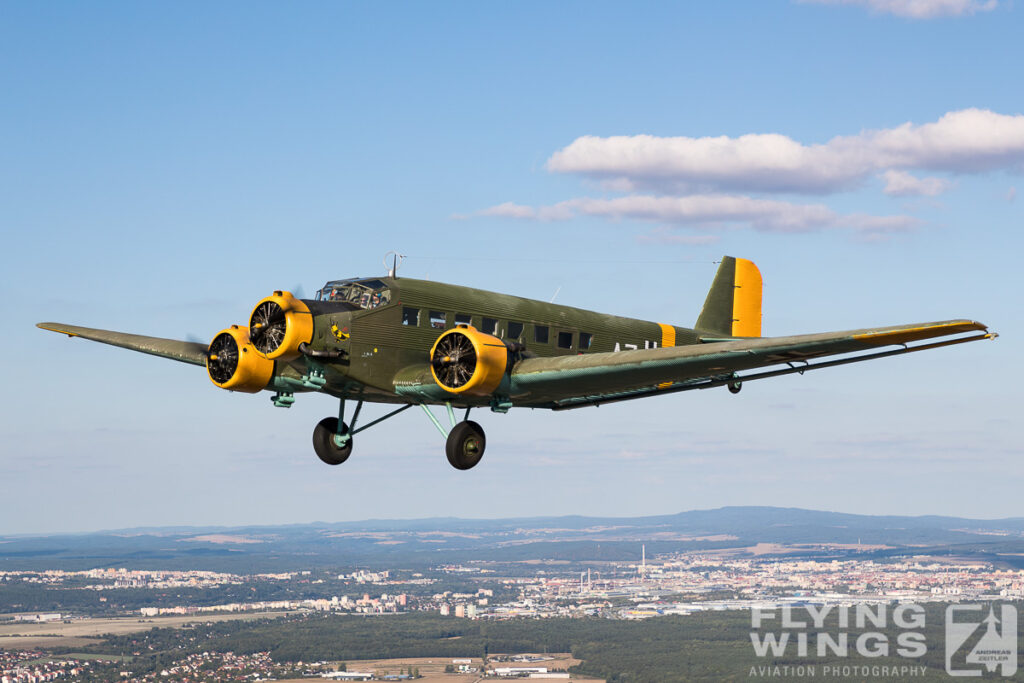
746, 302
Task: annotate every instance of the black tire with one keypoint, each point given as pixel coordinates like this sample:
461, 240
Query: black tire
323, 442
465, 445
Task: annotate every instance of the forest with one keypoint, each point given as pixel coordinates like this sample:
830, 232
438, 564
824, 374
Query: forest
711, 646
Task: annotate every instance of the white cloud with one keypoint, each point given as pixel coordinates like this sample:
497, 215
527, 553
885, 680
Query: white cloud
557, 212
750, 162
903, 184
710, 211
767, 215
509, 210
1011, 194
918, 9
966, 141
703, 184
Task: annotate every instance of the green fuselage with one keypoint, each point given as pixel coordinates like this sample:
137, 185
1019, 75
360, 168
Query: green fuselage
385, 351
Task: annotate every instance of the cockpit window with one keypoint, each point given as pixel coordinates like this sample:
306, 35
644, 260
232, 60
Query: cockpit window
364, 294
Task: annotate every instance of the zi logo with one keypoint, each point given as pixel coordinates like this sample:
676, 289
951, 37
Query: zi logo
997, 646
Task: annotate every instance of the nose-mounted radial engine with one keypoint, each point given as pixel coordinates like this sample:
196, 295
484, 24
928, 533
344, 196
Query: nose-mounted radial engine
279, 324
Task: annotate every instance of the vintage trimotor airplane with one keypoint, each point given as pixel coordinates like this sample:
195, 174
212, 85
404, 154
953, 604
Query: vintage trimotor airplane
420, 343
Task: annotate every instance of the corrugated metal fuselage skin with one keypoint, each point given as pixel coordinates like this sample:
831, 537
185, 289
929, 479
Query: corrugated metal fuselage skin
391, 345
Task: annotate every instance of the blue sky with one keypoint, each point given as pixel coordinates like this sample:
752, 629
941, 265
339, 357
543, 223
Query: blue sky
163, 167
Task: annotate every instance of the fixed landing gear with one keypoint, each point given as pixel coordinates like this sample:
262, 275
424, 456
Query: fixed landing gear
332, 445
465, 445
464, 442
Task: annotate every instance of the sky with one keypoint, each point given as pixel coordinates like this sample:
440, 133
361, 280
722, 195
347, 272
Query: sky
164, 166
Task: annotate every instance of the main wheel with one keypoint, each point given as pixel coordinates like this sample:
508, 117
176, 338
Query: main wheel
327, 449
465, 445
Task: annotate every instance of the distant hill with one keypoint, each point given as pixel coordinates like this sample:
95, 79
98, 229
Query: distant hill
574, 538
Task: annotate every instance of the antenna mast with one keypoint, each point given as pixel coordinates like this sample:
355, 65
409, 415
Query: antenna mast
396, 260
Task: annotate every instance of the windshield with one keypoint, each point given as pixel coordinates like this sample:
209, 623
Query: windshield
360, 293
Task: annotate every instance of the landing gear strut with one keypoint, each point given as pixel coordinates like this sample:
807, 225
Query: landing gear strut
332, 438
464, 442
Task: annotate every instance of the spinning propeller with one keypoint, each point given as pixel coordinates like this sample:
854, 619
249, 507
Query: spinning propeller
454, 360
222, 357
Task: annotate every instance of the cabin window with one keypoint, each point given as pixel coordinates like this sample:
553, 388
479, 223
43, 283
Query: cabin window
411, 316
437, 320
515, 330
565, 340
463, 319
490, 326
585, 339
540, 334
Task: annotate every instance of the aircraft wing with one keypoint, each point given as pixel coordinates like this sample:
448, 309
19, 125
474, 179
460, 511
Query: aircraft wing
591, 379
193, 353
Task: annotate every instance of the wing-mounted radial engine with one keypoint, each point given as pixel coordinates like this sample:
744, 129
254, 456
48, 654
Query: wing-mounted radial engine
467, 361
235, 364
279, 324
242, 358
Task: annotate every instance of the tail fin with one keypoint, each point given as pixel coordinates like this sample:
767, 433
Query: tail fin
733, 306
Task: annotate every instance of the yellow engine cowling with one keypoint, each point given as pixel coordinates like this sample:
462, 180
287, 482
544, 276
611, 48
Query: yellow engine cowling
466, 361
279, 324
234, 364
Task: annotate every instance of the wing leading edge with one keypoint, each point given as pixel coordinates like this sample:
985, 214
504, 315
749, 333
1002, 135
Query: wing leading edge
591, 379
193, 353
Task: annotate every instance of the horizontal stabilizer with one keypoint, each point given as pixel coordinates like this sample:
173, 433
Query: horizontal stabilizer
182, 351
